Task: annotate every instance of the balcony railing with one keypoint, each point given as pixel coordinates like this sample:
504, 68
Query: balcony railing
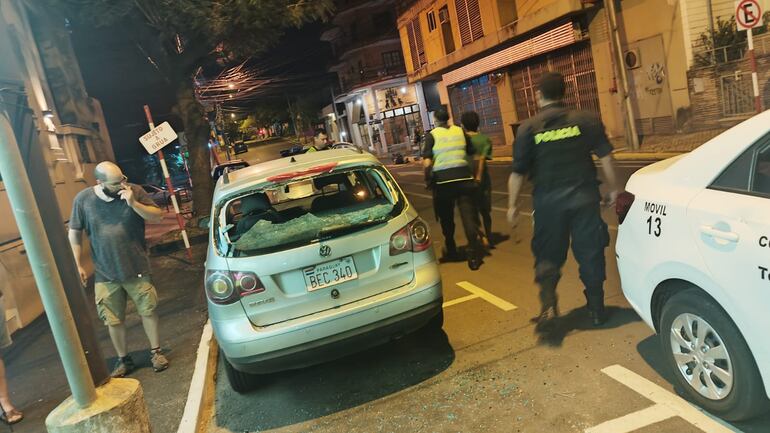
370, 76
706, 56
346, 42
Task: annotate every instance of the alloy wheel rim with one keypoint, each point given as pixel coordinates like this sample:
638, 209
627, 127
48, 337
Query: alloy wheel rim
701, 356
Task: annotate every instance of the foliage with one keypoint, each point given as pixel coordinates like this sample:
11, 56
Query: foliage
727, 43
222, 31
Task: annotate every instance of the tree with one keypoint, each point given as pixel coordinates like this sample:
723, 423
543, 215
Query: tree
194, 33
726, 43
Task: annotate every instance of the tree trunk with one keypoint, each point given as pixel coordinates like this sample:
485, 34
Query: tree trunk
196, 130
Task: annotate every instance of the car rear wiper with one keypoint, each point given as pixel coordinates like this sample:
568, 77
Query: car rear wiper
339, 231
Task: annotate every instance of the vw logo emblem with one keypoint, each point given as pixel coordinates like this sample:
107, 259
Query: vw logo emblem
325, 251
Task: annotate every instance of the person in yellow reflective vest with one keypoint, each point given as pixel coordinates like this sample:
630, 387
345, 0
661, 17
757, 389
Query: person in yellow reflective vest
445, 158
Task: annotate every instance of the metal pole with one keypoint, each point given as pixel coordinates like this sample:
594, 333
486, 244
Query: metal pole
40, 182
44, 268
754, 78
170, 187
632, 136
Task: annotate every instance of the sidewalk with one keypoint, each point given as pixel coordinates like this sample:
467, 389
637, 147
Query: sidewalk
36, 378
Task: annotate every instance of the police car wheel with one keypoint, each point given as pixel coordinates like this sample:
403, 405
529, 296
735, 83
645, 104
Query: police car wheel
240, 382
708, 357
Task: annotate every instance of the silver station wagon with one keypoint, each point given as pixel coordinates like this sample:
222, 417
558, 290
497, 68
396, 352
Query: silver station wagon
312, 257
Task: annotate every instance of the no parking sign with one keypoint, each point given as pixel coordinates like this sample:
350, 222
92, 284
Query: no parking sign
748, 14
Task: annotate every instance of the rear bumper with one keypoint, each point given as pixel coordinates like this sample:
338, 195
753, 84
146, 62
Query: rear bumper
338, 345
334, 333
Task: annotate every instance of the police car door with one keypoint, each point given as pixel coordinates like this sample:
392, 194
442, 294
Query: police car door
730, 221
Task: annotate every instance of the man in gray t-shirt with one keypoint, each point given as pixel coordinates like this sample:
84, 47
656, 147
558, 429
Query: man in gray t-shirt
113, 213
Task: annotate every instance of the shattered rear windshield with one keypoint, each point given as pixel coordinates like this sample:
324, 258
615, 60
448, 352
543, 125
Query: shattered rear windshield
299, 212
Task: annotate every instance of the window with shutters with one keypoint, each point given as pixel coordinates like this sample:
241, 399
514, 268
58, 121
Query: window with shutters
446, 30
416, 44
469, 20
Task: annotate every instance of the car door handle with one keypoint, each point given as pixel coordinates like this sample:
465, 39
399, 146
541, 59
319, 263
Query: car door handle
719, 234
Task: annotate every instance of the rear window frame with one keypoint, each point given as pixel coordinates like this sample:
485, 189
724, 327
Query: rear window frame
220, 247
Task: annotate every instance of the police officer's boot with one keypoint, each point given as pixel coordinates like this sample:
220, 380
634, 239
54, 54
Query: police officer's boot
549, 309
596, 310
450, 253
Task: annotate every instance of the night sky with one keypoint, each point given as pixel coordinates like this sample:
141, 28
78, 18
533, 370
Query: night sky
116, 70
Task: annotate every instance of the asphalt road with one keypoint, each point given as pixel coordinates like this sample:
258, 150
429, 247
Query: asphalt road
487, 371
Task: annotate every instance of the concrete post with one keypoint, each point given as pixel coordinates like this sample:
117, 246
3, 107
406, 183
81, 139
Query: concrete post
44, 268
119, 408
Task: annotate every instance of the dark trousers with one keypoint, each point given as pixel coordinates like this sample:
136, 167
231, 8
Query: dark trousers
464, 195
555, 225
484, 204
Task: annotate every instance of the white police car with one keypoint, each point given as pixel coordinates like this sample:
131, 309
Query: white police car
694, 258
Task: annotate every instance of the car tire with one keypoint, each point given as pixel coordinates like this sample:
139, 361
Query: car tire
745, 397
240, 382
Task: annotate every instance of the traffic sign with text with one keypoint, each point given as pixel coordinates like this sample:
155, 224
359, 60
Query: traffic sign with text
158, 138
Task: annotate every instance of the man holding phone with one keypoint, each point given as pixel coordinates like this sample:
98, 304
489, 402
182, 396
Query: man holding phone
113, 213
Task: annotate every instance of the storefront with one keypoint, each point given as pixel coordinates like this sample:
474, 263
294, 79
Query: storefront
399, 115
575, 62
479, 95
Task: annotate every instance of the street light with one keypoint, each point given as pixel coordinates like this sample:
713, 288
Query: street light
231, 85
403, 90
232, 115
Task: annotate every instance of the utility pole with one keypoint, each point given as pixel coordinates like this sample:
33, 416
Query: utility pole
293, 118
44, 267
632, 137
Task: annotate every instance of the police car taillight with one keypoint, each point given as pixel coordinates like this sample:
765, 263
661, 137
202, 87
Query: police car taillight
413, 237
225, 287
623, 205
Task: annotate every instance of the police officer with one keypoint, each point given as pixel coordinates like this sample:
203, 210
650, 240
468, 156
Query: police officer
445, 158
554, 148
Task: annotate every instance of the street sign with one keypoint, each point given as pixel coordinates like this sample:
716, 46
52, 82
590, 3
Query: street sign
748, 14
158, 138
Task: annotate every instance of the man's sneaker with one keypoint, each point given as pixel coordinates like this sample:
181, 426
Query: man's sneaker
123, 367
159, 362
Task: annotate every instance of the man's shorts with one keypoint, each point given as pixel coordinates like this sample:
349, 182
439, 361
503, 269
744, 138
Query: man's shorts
111, 299
5, 336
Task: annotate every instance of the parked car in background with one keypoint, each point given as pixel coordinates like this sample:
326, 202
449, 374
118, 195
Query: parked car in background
694, 259
312, 258
294, 150
159, 195
232, 165
240, 146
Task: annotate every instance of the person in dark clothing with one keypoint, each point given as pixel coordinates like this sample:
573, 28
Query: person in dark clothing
483, 148
554, 148
445, 158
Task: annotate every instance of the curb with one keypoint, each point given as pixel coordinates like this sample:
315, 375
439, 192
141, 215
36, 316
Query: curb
200, 399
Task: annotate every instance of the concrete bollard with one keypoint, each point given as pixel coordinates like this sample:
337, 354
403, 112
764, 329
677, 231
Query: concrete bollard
119, 408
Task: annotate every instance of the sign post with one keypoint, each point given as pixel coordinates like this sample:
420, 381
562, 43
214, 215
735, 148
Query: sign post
748, 15
154, 141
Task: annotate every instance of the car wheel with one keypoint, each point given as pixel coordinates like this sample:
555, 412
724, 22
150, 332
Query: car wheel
709, 358
240, 382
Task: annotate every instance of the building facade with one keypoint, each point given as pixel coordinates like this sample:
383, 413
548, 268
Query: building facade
43, 96
374, 105
487, 56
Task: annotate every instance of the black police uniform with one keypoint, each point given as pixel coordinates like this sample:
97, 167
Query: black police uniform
450, 187
554, 148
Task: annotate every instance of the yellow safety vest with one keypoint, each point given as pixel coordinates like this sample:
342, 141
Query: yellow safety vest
448, 148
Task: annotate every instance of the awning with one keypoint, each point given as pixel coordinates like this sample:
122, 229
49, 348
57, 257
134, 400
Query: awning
551, 40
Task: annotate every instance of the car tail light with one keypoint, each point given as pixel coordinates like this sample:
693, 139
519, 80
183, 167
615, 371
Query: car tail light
413, 237
623, 204
225, 287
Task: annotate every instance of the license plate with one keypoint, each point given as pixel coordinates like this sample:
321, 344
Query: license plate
330, 273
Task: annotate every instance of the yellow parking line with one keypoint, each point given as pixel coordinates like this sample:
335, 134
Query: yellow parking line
635, 421
670, 401
459, 300
483, 294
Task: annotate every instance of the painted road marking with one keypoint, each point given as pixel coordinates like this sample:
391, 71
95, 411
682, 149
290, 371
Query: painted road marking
667, 406
459, 300
483, 294
479, 293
